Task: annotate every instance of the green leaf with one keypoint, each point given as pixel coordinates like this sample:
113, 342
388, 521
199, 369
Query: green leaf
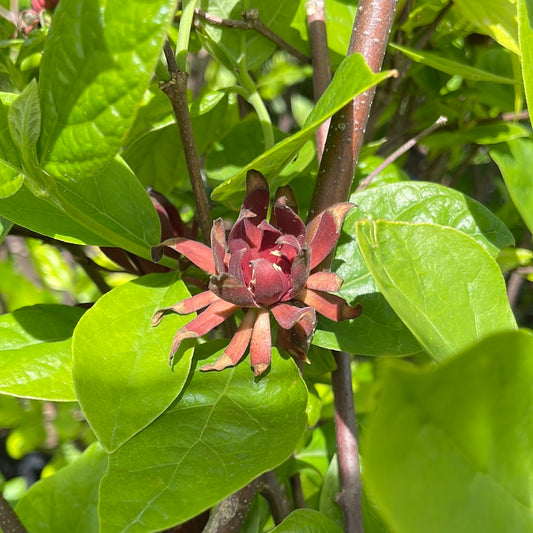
225, 430
514, 160
453, 68
10, 174
352, 78
36, 353
447, 303
495, 18
24, 119
10, 179
307, 521
67, 501
5, 227
97, 63
109, 208
525, 38
117, 352
449, 447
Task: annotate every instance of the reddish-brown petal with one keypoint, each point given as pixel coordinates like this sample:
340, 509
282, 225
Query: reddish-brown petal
287, 221
297, 339
242, 232
257, 195
169, 216
299, 272
229, 288
197, 252
218, 245
324, 230
236, 348
212, 317
189, 305
261, 343
269, 283
324, 281
290, 199
269, 236
329, 305
287, 315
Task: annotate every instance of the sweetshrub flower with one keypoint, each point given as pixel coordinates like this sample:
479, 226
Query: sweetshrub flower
264, 268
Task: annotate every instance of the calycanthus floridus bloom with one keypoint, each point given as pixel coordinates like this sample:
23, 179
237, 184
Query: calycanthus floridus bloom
264, 268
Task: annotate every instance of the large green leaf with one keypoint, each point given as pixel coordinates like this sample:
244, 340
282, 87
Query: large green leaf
515, 160
352, 78
496, 18
379, 331
225, 430
447, 302
67, 501
108, 208
453, 68
121, 356
449, 448
36, 352
525, 38
307, 521
97, 63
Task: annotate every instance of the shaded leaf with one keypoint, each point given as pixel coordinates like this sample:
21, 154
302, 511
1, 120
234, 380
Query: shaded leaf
525, 37
451, 446
118, 353
67, 501
214, 438
307, 521
447, 303
36, 352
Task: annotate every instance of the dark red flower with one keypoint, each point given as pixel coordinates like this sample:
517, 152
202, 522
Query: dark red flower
263, 267
39, 5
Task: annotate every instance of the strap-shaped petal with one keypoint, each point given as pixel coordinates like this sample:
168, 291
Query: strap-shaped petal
329, 305
257, 195
218, 245
324, 230
287, 315
197, 252
269, 283
324, 281
261, 343
229, 288
287, 221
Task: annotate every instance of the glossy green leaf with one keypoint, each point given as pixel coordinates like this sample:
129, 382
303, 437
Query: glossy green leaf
67, 501
453, 68
225, 430
447, 303
449, 448
352, 78
307, 521
525, 38
515, 160
36, 352
5, 227
24, 119
496, 18
10, 179
97, 63
108, 208
118, 353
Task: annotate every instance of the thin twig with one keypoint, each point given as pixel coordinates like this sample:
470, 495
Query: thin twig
297, 491
349, 497
228, 515
400, 151
516, 279
318, 40
9, 521
274, 494
252, 21
176, 90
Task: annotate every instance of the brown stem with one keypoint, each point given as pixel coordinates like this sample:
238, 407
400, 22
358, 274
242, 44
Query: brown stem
228, 515
9, 521
400, 151
252, 21
297, 491
318, 40
369, 37
176, 90
274, 494
349, 497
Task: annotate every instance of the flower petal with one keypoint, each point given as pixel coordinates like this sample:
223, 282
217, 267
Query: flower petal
299, 271
269, 283
197, 252
189, 305
297, 339
290, 199
230, 289
257, 195
212, 317
287, 221
329, 305
324, 281
324, 230
218, 244
261, 343
287, 315
236, 348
